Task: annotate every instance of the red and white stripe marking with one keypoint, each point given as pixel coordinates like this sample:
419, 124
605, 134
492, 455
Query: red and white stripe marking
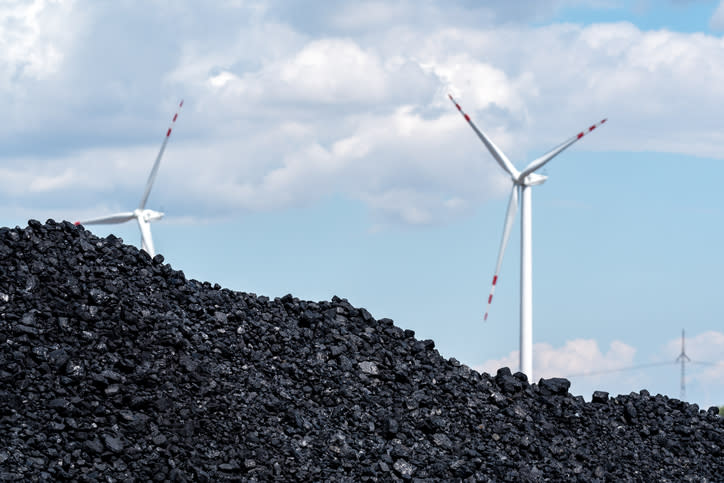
490, 297
583, 133
467, 118
175, 116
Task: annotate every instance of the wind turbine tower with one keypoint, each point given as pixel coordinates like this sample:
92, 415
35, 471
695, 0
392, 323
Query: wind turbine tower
683, 358
142, 215
522, 182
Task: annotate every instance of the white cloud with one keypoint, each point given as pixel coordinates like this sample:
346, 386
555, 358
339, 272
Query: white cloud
31, 35
327, 72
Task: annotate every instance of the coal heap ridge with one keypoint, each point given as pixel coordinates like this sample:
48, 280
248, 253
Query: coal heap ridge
115, 367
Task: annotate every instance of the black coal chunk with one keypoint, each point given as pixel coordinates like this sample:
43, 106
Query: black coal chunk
599, 397
554, 386
116, 367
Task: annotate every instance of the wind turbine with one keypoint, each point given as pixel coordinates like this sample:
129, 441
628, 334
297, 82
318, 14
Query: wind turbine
683, 358
142, 215
522, 183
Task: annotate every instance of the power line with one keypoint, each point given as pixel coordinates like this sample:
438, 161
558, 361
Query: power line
621, 369
707, 363
641, 366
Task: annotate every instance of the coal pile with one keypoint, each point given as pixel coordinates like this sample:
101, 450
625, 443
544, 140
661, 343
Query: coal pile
115, 367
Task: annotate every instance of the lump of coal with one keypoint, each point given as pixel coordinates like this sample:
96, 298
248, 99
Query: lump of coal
115, 367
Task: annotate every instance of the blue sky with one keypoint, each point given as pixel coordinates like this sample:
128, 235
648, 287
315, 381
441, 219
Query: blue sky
317, 154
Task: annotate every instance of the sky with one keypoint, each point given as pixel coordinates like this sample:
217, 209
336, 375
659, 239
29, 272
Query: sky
317, 154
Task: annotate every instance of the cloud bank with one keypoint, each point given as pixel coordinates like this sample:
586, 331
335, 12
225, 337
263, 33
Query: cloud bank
576, 357
290, 106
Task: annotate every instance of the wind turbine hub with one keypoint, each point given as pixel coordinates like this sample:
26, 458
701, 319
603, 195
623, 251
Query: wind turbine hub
148, 215
533, 179
151, 215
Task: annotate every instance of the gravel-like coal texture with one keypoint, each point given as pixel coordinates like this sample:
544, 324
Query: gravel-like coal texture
115, 367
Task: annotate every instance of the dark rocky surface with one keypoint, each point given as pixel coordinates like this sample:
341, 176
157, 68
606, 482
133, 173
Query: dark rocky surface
115, 367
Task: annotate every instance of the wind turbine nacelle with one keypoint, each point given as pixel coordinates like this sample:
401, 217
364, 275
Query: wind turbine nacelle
150, 215
534, 179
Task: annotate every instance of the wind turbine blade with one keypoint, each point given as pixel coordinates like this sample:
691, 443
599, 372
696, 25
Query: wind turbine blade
538, 163
509, 219
154, 170
107, 220
499, 156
